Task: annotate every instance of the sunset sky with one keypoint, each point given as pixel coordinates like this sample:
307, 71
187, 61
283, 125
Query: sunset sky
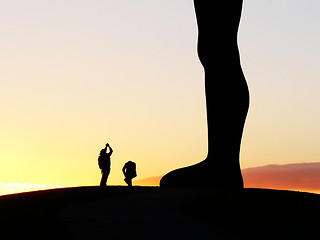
76, 74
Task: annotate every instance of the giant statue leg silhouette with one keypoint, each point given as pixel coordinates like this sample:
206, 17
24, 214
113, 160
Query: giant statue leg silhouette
227, 98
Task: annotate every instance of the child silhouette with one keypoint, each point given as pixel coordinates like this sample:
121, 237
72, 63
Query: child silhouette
129, 171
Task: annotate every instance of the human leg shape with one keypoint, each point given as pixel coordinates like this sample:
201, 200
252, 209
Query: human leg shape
104, 178
227, 99
128, 181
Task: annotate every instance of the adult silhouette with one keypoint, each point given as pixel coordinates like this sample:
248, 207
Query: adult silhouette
129, 171
104, 162
227, 98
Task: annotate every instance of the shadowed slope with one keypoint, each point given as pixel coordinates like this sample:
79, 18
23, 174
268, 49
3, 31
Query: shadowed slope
36, 214
152, 211
260, 213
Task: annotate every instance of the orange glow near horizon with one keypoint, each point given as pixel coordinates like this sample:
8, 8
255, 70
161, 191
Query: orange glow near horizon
297, 177
303, 177
11, 188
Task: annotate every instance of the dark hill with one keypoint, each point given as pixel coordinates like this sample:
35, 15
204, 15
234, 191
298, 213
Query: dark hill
260, 213
36, 214
154, 213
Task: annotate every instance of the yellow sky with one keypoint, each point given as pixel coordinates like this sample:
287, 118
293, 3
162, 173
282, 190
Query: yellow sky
77, 74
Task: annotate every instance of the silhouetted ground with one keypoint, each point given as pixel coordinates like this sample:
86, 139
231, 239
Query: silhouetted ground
154, 213
36, 214
260, 213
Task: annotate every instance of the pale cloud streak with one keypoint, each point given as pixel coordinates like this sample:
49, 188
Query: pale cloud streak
296, 176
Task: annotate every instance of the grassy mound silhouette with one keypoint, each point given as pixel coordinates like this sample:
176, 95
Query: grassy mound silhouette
36, 214
260, 213
154, 213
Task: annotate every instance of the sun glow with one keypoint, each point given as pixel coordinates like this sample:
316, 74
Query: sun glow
10, 188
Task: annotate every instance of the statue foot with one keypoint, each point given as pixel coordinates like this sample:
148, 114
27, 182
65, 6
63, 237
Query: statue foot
204, 174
